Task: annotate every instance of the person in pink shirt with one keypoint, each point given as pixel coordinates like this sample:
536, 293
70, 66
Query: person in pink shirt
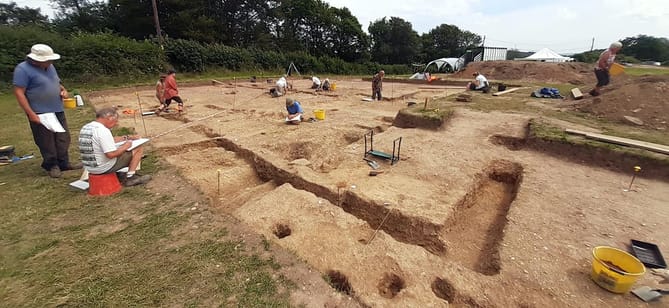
171, 93
603, 65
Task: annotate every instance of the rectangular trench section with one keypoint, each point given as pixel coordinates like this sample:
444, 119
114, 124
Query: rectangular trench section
475, 229
407, 229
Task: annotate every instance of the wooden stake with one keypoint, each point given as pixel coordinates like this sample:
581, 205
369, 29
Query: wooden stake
425, 106
142, 113
379, 227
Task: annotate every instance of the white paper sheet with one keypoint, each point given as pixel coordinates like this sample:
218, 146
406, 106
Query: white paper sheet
135, 143
50, 121
297, 118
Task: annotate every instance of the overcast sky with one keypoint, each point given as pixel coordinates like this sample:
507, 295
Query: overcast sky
566, 26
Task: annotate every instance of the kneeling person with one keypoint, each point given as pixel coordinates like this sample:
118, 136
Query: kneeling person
294, 111
99, 152
480, 83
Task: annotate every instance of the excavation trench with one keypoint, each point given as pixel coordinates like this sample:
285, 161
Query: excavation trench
407, 229
475, 229
616, 159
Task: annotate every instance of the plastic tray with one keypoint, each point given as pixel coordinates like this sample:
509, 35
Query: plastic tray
649, 254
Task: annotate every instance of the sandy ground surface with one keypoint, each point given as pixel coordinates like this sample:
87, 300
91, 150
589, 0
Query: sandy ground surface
457, 221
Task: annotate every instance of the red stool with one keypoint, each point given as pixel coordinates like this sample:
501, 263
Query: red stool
103, 184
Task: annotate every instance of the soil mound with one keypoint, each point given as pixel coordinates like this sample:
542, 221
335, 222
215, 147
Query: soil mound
569, 72
644, 98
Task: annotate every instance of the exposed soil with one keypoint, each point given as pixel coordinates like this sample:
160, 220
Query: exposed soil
644, 98
656, 166
459, 220
576, 73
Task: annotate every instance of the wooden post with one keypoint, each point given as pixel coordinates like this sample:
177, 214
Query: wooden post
425, 106
141, 111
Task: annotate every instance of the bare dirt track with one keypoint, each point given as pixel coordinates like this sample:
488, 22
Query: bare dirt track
459, 221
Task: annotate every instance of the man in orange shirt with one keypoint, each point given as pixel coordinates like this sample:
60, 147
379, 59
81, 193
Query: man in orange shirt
171, 93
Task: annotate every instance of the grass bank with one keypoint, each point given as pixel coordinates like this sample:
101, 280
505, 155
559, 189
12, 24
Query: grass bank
59, 246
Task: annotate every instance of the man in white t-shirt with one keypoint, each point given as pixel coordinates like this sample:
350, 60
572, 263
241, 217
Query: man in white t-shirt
315, 83
480, 83
281, 87
101, 155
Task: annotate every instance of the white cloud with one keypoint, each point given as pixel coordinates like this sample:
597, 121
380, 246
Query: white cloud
566, 26
43, 5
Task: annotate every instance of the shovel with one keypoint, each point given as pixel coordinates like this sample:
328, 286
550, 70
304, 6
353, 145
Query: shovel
647, 294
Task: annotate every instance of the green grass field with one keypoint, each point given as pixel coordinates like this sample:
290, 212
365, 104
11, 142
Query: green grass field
646, 70
59, 246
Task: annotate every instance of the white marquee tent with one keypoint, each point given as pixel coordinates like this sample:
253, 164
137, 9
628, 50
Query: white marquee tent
448, 64
455, 64
546, 55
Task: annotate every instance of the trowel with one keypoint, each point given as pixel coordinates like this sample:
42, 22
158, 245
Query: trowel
372, 163
647, 294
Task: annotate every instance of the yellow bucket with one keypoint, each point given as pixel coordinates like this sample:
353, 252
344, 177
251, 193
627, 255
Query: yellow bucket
320, 114
614, 269
616, 69
70, 103
333, 86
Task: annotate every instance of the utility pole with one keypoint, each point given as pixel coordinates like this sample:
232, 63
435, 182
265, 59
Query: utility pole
157, 22
592, 46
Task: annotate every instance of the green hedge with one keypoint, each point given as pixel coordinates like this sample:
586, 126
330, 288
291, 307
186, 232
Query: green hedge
91, 58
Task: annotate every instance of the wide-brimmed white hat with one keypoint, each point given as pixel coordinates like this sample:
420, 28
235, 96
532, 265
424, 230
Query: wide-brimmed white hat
42, 53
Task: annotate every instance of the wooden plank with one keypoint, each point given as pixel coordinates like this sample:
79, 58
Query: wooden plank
504, 92
575, 132
653, 147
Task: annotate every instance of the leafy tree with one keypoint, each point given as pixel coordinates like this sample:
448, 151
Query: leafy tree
82, 15
321, 30
646, 48
588, 56
393, 41
248, 23
10, 14
515, 53
447, 41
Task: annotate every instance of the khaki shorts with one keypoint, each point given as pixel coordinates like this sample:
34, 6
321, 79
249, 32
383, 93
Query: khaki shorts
121, 162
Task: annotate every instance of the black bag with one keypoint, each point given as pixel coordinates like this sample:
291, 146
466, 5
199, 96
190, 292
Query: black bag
501, 87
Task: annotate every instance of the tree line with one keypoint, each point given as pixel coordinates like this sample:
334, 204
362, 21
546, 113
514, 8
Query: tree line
637, 49
310, 26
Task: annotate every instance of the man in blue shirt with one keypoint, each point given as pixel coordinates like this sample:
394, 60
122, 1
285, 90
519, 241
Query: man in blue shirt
294, 111
40, 94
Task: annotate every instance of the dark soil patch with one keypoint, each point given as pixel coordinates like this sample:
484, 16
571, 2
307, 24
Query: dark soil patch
390, 285
339, 282
281, 230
